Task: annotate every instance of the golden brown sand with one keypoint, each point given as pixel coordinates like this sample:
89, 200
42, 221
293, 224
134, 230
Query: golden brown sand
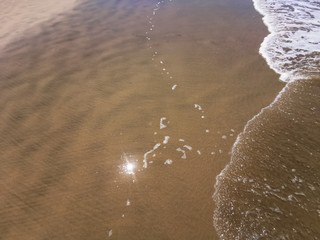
84, 90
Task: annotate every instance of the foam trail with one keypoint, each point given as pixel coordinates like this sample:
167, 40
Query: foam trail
292, 49
145, 156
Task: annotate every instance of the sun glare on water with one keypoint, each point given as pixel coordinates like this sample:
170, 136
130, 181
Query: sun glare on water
129, 168
129, 164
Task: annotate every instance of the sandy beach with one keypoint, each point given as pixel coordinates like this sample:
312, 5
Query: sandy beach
82, 93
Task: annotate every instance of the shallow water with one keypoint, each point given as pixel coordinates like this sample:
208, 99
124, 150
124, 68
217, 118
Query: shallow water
293, 45
85, 103
270, 190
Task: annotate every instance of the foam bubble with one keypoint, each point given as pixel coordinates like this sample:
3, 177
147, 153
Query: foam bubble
292, 48
166, 139
168, 162
174, 87
197, 106
184, 156
188, 147
162, 122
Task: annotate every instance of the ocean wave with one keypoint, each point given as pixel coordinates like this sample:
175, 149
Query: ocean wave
270, 189
292, 49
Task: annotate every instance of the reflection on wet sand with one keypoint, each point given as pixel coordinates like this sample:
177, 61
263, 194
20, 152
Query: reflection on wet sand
85, 96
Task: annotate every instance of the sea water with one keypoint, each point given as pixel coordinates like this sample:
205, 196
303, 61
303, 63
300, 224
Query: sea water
292, 48
270, 189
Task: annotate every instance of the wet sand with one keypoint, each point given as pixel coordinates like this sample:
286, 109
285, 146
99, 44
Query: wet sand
86, 90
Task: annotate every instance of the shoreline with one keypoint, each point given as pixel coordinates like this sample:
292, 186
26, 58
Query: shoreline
251, 151
277, 146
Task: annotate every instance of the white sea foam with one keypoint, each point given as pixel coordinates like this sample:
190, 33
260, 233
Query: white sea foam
292, 48
162, 122
188, 147
145, 156
166, 139
168, 162
174, 87
184, 156
197, 106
